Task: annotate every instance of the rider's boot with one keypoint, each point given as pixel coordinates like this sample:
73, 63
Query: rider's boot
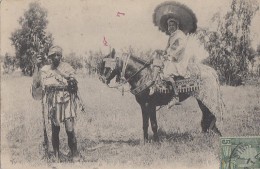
175, 99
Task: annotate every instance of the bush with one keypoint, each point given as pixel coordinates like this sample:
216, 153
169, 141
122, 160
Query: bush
93, 62
75, 61
9, 63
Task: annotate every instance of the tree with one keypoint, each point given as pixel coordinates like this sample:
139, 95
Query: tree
230, 48
31, 39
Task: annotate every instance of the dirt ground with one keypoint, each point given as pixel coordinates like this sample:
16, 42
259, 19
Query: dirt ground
110, 135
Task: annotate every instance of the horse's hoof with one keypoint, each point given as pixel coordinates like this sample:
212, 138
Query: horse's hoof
212, 132
56, 159
76, 158
146, 141
156, 139
216, 131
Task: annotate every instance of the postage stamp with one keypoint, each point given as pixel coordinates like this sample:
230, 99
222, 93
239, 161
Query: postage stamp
240, 153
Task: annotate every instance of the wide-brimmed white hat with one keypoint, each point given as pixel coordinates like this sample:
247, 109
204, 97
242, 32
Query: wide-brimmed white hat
183, 15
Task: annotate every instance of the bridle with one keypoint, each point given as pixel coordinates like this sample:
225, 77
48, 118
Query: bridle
146, 64
123, 81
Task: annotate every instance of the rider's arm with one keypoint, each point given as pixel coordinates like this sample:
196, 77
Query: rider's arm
177, 50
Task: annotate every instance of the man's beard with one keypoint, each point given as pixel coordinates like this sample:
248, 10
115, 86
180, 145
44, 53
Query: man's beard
55, 63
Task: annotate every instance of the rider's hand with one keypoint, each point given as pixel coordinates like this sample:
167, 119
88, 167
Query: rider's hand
165, 57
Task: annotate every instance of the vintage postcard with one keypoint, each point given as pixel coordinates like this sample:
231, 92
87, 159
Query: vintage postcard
130, 84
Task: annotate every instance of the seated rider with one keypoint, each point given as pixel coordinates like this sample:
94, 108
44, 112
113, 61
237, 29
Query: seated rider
173, 62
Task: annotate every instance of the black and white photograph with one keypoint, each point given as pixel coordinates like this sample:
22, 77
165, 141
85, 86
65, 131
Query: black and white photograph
157, 84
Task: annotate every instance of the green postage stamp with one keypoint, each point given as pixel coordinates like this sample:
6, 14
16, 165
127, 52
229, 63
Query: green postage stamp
240, 153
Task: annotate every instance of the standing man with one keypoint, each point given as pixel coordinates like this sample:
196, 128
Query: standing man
59, 87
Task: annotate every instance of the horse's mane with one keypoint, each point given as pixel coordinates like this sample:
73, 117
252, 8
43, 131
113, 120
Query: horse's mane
132, 67
140, 78
138, 60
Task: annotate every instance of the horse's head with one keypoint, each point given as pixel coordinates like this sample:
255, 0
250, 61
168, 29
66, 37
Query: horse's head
110, 68
121, 69
127, 69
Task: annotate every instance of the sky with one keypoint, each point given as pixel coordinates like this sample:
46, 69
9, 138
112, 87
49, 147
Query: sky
81, 25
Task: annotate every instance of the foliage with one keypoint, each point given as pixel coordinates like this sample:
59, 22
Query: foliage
93, 62
143, 54
31, 39
75, 61
230, 48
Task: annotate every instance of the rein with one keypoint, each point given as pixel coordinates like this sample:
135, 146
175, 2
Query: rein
123, 80
142, 68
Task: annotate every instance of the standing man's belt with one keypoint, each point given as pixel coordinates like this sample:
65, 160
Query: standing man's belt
56, 88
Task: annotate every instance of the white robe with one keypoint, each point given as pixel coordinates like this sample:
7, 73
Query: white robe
182, 50
62, 102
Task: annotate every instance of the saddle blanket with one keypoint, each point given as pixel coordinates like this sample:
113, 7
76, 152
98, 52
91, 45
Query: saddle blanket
179, 86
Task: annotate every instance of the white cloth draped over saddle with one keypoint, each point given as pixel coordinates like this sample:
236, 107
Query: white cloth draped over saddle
209, 93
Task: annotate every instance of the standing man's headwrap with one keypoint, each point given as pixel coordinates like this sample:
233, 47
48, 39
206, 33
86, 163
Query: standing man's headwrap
55, 50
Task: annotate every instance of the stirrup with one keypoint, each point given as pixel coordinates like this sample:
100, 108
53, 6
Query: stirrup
152, 90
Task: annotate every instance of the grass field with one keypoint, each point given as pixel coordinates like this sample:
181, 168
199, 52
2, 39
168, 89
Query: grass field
110, 133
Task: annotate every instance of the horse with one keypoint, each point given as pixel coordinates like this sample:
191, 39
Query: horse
137, 72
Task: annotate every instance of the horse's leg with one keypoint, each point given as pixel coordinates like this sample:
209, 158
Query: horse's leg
153, 120
145, 115
208, 121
